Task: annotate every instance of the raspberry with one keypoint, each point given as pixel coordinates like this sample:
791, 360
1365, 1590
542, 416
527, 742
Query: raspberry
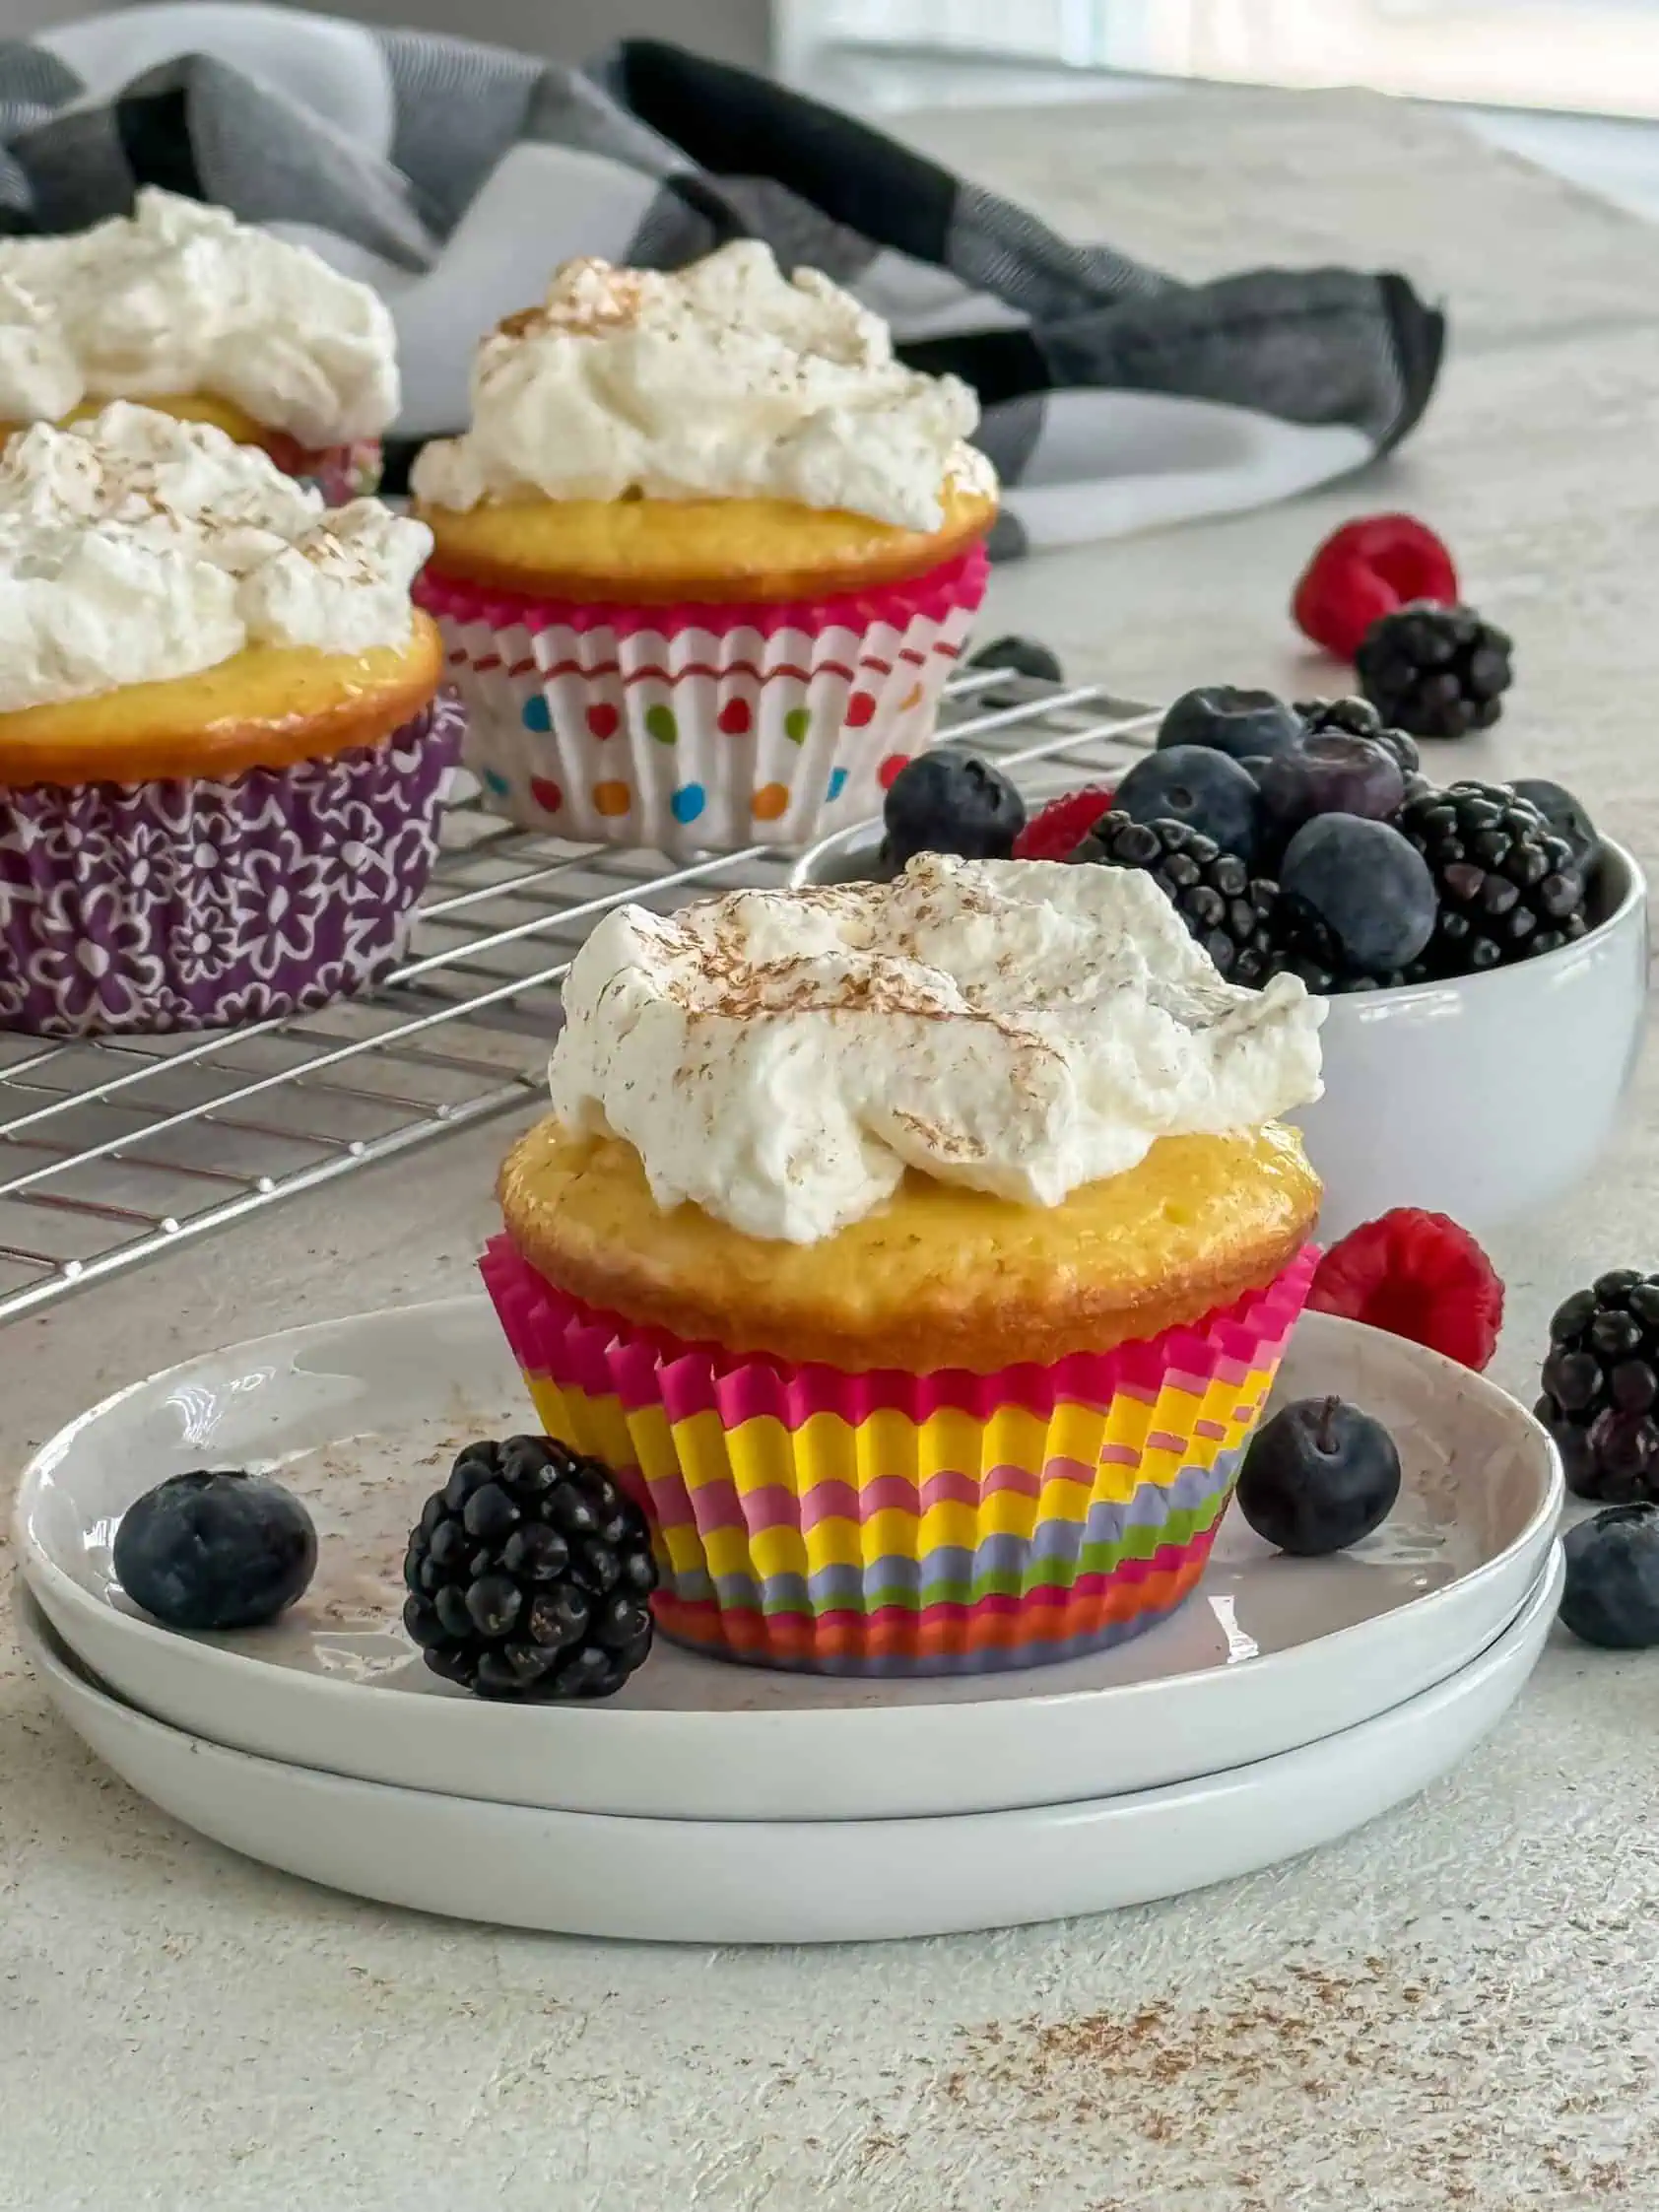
1417, 1275
1060, 828
1365, 570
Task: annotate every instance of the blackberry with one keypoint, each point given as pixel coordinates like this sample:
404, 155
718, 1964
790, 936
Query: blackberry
530, 1574
1601, 1388
1358, 717
1437, 671
1567, 817
1225, 909
1506, 884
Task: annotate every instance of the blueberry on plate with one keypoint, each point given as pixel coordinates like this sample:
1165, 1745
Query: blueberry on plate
1318, 1476
216, 1549
1208, 791
1612, 1592
1245, 725
1366, 886
944, 801
1566, 816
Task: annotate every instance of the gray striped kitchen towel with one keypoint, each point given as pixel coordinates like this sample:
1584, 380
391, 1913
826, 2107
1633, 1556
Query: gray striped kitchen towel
453, 176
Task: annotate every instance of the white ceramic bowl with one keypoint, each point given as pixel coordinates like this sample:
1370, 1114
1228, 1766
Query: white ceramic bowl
1485, 1099
362, 1418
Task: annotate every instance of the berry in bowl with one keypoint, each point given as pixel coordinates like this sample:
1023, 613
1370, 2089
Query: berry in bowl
1484, 949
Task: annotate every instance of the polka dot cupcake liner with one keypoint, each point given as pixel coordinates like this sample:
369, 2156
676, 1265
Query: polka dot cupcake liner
697, 728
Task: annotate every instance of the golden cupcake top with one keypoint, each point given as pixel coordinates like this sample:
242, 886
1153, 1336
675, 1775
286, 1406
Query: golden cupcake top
1019, 1029
722, 380
136, 549
181, 298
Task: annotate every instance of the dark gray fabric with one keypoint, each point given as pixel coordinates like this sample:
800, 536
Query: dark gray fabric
658, 156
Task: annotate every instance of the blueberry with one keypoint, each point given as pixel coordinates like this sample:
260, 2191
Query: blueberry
1612, 1591
1021, 657
1244, 725
1330, 772
1318, 1476
1360, 718
207, 1550
1565, 814
952, 802
1369, 888
1208, 791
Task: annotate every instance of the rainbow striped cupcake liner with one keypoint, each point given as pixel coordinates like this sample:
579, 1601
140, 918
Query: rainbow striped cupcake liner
697, 727
897, 1524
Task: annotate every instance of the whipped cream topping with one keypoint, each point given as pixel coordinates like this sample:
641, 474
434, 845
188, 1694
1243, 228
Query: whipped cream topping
722, 380
180, 297
780, 1058
134, 548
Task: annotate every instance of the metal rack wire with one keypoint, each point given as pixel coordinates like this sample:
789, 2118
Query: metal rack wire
117, 1150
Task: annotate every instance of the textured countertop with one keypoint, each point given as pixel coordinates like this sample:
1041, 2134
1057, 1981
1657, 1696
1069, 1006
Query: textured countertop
1454, 2008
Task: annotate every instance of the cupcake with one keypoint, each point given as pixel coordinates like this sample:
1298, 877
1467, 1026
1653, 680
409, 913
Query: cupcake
221, 734
206, 319
706, 556
918, 1254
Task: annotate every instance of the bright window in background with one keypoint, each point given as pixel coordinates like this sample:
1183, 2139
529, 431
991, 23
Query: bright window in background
1589, 56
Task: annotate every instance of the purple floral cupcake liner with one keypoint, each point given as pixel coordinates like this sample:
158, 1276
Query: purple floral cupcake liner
189, 904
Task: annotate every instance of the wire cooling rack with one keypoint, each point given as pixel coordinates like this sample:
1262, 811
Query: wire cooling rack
115, 1151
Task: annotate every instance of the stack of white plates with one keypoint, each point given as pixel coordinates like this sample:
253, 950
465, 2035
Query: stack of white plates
1289, 1701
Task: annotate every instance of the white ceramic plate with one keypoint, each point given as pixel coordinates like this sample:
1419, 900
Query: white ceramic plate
363, 1416
795, 1882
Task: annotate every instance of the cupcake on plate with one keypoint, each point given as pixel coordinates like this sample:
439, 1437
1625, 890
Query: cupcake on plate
223, 738
919, 1254
206, 319
706, 556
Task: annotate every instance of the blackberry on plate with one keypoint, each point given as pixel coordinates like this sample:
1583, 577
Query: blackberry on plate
1437, 671
1601, 1388
1194, 784
1226, 911
530, 1574
944, 801
1506, 884
1360, 718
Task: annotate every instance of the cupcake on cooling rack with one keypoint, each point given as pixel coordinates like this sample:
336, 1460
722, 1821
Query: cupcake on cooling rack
706, 556
209, 320
920, 1254
221, 734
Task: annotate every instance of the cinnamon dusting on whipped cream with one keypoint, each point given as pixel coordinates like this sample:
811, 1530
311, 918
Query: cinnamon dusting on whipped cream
135, 548
780, 1058
722, 380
